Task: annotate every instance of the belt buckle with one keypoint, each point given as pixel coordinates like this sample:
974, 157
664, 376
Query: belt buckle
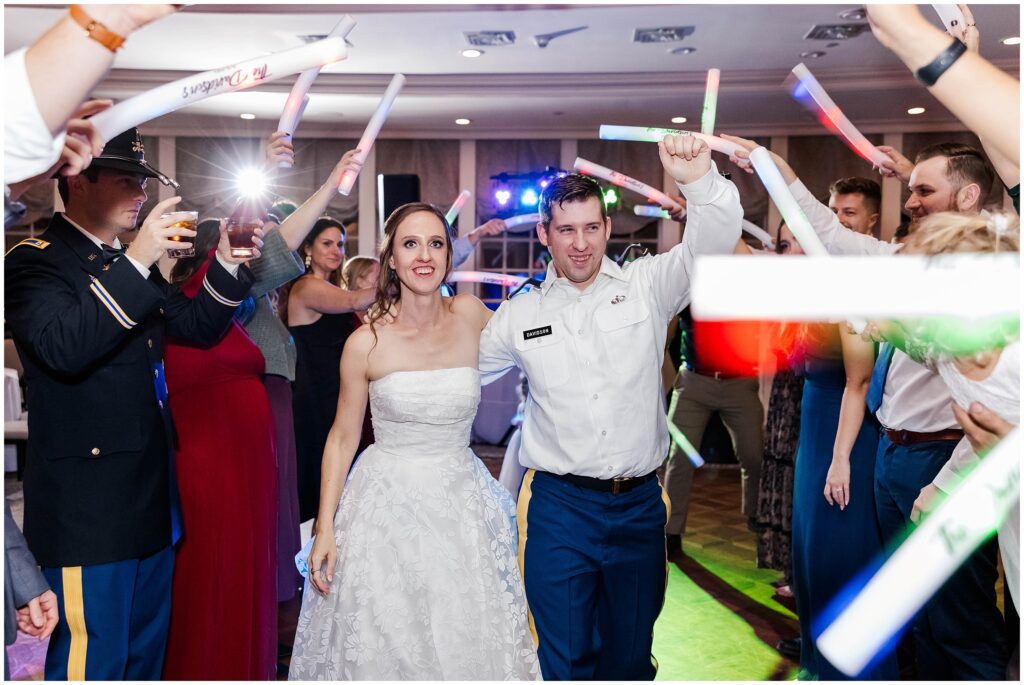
617, 483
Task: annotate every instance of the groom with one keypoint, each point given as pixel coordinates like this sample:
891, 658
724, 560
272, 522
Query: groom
590, 340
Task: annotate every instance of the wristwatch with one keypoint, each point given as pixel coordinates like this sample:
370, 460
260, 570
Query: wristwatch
930, 73
96, 30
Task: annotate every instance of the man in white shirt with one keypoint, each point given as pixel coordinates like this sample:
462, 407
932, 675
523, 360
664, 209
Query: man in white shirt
590, 341
959, 633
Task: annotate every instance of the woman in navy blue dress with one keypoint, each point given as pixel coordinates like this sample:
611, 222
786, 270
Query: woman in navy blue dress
835, 528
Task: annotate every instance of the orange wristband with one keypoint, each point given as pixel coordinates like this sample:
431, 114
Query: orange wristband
96, 30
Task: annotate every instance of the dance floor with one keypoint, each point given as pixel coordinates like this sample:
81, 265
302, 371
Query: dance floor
720, 621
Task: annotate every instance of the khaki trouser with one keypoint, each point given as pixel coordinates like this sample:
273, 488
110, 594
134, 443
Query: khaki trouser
694, 399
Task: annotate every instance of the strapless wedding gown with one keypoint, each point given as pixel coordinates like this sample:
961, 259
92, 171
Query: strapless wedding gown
427, 585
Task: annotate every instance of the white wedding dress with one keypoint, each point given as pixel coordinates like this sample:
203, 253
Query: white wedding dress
427, 585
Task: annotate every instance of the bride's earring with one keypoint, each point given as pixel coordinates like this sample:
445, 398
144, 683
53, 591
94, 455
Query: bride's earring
309, 261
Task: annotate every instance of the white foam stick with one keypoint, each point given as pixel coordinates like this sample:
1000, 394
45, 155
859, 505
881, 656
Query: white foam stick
951, 15
759, 233
507, 280
521, 223
348, 179
925, 560
191, 89
294, 106
807, 91
653, 194
653, 211
685, 445
971, 286
457, 206
795, 218
654, 135
707, 117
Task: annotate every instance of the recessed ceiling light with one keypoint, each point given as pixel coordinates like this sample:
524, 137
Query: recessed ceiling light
463, 122
812, 54
678, 120
915, 110
682, 51
1012, 40
858, 14
472, 52
247, 115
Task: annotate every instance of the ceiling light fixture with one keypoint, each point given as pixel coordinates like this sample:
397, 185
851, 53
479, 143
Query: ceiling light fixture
472, 52
682, 51
678, 120
916, 110
1012, 40
812, 54
247, 116
463, 122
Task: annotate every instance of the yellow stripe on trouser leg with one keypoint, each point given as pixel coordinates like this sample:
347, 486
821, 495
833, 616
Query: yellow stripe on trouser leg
522, 506
74, 614
668, 515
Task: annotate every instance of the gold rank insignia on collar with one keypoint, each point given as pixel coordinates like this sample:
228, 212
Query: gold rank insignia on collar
31, 242
93, 256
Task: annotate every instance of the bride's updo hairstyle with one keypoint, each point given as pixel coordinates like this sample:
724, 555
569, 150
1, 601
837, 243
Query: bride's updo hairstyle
389, 288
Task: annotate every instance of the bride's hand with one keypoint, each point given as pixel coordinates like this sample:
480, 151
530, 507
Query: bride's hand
322, 560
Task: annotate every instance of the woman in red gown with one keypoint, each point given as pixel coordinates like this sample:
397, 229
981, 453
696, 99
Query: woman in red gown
224, 594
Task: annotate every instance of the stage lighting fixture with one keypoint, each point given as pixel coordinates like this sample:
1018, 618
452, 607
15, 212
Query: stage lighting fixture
528, 198
610, 196
502, 196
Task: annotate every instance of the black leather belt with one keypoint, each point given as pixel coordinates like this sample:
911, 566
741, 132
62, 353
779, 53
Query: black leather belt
613, 485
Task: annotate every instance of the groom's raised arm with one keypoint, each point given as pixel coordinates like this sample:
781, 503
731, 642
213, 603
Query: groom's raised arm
714, 217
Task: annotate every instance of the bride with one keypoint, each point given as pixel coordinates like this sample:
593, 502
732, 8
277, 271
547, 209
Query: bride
415, 572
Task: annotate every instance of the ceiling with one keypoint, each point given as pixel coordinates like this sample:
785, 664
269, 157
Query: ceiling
567, 89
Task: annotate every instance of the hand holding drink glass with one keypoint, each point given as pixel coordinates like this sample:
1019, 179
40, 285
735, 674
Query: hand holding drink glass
186, 220
245, 218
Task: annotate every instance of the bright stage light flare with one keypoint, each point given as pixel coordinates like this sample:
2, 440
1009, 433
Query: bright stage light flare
867, 622
251, 182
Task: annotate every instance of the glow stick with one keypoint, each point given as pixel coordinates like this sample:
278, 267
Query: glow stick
777, 188
808, 92
489, 277
759, 233
521, 223
348, 179
653, 194
654, 135
191, 89
688, 449
707, 117
925, 560
295, 105
652, 211
457, 206
951, 16
971, 286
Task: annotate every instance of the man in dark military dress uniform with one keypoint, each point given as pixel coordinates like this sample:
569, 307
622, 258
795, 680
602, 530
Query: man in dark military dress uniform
89, 320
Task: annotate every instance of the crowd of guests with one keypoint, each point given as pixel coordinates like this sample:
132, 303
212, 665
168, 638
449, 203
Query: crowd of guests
863, 433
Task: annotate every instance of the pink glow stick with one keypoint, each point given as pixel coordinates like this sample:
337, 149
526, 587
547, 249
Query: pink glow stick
348, 179
457, 206
653, 194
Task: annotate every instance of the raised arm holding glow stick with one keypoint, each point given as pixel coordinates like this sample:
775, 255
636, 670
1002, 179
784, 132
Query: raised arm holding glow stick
654, 195
654, 135
457, 206
707, 117
806, 90
925, 560
295, 105
521, 223
191, 89
372, 129
952, 16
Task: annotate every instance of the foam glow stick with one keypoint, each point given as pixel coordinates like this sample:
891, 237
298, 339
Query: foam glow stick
294, 106
806, 90
521, 223
951, 16
348, 179
925, 560
707, 117
652, 211
653, 194
759, 233
968, 286
654, 135
682, 443
457, 206
191, 89
795, 218
489, 277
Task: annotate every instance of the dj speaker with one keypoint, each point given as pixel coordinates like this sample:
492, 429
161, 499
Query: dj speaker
393, 191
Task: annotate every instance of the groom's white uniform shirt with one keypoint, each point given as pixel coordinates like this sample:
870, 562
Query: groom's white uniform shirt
593, 357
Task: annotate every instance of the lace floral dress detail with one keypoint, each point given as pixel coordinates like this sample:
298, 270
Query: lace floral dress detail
427, 585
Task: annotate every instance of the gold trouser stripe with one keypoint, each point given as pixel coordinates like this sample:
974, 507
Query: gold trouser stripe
668, 515
522, 506
74, 614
